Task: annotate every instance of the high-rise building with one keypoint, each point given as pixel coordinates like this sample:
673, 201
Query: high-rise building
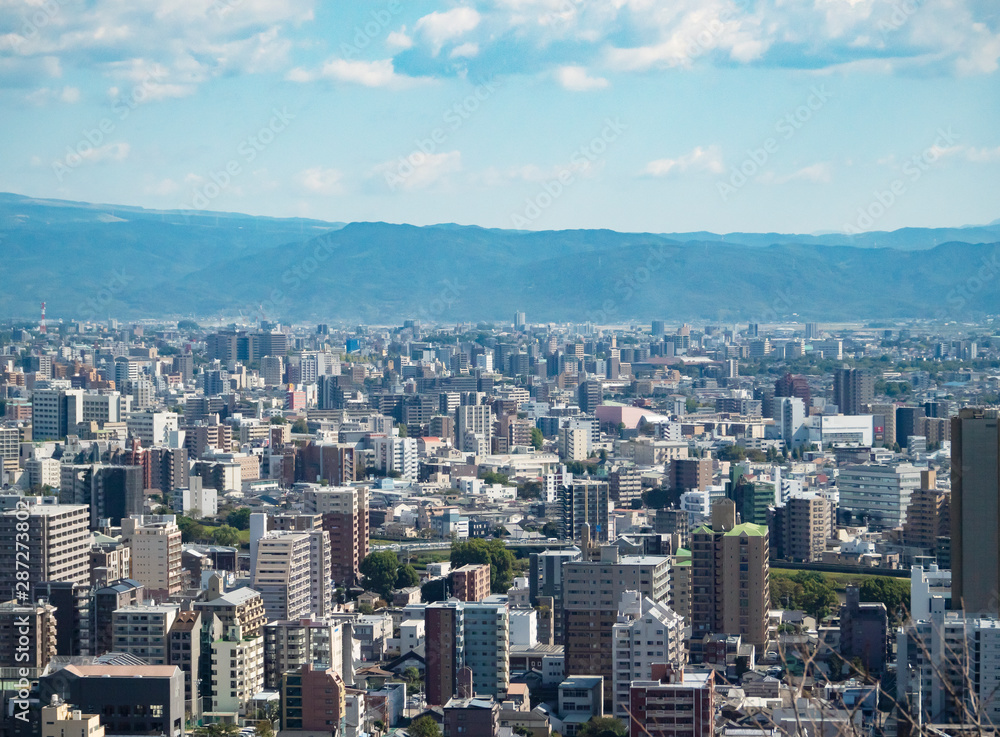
690, 473
929, 515
445, 648
590, 394
396, 454
155, 541
864, 632
585, 501
185, 651
313, 700
624, 484
801, 528
975, 511
852, 390
545, 580
143, 630
58, 547
111, 492
292, 573
74, 614
470, 582
27, 636
290, 644
729, 578
474, 427
909, 421
345, 518
878, 494
487, 645
592, 592
676, 702
887, 412
793, 386
647, 633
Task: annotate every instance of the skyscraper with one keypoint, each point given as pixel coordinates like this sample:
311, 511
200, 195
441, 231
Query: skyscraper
445, 648
852, 390
345, 518
975, 511
585, 501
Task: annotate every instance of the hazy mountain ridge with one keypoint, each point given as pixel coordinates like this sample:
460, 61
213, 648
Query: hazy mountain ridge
147, 263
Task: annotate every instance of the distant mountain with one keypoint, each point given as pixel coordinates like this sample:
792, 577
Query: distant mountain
92, 261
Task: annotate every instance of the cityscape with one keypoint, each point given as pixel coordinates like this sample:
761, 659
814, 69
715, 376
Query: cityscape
499, 368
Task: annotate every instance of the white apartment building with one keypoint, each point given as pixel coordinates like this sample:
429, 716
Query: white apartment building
237, 673
143, 630
647, 632
152, 428
398, 454
292, 572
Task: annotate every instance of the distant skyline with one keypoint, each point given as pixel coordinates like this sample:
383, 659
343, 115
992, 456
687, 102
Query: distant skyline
537, 114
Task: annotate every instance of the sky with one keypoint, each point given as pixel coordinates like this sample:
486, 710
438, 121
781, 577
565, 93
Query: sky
720, 115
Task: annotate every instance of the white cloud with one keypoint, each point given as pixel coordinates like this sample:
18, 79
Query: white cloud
378, 73
440, 27
700, 159
107, 152
575, 78
983, 155
320, 180
467, 50
162, 188
44, 95
399, 39
419, 170
819, 173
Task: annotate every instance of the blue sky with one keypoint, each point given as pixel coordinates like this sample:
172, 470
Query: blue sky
755, 115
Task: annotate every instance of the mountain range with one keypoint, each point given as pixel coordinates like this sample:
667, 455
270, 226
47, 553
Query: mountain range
93, 261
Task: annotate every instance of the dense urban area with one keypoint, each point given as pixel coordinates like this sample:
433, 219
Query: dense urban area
490, 530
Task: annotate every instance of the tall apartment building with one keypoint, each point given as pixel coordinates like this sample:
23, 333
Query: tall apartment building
928, 517
624, 484
397, 454
237, 672
801, 527
107, 600
487, 645
585, 501
110, 492
729, 578
155, 541
647, 632
545, 580
474, 420
445, 648
852, 390
878, 493
27, 636
240, 610
168, 469
74, 614
592, 592
345, 518
143, 630
58, 546
292, 573
884, 417
975, 511
10, 453
185, 651
687, 474
676, 702
290, 644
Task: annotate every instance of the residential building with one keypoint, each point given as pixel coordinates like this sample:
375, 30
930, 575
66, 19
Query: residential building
292, 573
729, 578
864, 632
470, 582
59, 719
291, 644
585, 501
313, 700
155, 541
487, 645
143, 630
545, 581
878, 494
647, 633
688, 474
58, 546
929, 515
185, 651
675, 702
445, 647
474, 428
345, 518
471, 716
852, 390
398, 455
27, 636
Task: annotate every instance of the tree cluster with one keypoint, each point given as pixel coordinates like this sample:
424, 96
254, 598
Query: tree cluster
493, 552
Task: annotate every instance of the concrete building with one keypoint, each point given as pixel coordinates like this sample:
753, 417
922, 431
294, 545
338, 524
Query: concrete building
878, 494
624, 484
155, 542
143, 630
925, 585
730, 578
470, 582
474, 428
864, 632
290, 644
27, 636
292, 573
545, 581
313, 700
688, 474
240, 609
396, 454
471, 716
58, 546
131, 699
345, 518
852, 390
592, 592
676, 702
928, 517
107, 600
237, 672
975, 511
445, 648
185, 641
151, 427
59, 719
487, 645
801, 528
585, 501
74, 614
110, 492
647, 633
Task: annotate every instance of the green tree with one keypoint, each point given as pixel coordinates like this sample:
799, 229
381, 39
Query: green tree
603, 727
239, 518
818, 598
424, 727
536, 438
551, 529
893, 592
407, 576
403, 432
380, 570
226, 535
690, 405
493, 552
218, 729
413, 679
300, 426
